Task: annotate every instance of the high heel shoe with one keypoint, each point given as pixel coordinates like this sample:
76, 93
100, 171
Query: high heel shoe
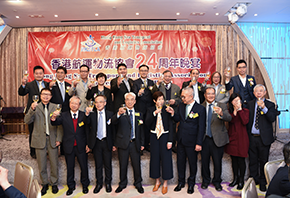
156, 187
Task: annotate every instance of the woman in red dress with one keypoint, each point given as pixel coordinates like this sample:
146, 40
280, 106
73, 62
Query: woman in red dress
239, 140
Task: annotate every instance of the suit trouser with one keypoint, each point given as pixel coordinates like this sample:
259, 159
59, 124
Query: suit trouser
135, 160
159, 152
103, 157
258, 156
209, 148
30, 128
41, 157
70, 163
184, 152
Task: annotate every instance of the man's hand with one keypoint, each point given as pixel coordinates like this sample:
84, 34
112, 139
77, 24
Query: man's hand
24, 80
141, 92
87, 149
218, 110
169, 146
33, 105
227, 75
142, 148
198, 148
171, 101
88, 110
119, 81
114, 148
54, 115
121, 111
51, 84
160, 80
57, 143
75, 83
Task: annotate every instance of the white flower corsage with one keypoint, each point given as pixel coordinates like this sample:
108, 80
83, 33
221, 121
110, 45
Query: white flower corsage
140, 122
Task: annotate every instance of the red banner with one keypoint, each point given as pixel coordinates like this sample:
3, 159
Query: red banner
102, 51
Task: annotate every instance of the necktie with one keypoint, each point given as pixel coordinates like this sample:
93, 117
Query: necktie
100, 127
145, 83
46, 120
159, 126
62, 91
209, 114
258, 112
75, 115
167, 86
40, 86
132, 124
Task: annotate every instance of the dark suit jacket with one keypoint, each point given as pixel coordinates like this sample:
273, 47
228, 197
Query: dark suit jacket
151, 121
57, 97
279, 184
145, 100
218, 129
119, 92
123, 130
13, 192
31, 88
107, 93
69, 134
265, 122
92, 126
200, 91
238, 86
190, 130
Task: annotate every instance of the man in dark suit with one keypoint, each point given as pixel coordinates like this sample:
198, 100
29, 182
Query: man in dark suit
216, 137
129, 141
32, 88
191, 116
260, 132
243, 84
74, 142
143, 89
280, 184
59, 89
121, 85
198, 88
100, 133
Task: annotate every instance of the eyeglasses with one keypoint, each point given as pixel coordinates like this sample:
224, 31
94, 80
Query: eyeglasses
84, 71
242, 67
44, 94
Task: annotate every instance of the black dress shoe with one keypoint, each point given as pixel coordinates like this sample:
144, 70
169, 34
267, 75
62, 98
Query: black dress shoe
85, 190
190, 189
44, 189
108, 188
140, 189
178, 187
234, 182
204, 185
54, 189
97, 188
218, 187
263, 187
241, 185
119, 189
70, 191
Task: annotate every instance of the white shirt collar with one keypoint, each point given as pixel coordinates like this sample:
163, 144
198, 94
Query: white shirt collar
72, 114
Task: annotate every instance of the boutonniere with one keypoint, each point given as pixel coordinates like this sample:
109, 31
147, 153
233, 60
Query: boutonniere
109, 122
137, 114
175, 93
251, 81
198, 88
95, 95
193, 115
140, 122
67, 89
150, 88
223, 91
50, 115
81, 124
262, 113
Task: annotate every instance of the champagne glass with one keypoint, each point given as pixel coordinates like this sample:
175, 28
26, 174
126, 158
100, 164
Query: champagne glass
35, 98
91, 104
25, 73
53, 80
229, 70
167, 104
142, 86
78, 78
92, 80
1, 156
124, 107
215, 105
207, 74
193, 80
58, 107
122, 77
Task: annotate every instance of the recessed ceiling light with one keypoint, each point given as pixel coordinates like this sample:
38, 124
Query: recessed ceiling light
201, 14
177, 13
96, 14
255, 14
217, 13
55, 15
17, 17
137, 13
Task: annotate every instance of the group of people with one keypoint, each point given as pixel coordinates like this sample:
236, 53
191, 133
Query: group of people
135, 115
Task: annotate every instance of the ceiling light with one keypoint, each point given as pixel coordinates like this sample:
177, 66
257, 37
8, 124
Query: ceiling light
2, 22
201, 13
177, 13
96, 14
217, 13
255, 14
232, 17
242, 9
17, 17
55, 15
137, 13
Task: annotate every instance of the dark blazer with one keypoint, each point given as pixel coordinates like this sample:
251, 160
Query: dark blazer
31, 88
57, 97
219, 131
200, 91
190, 130
279, 184
69, 134
238, 87
123, 130
119, 92
265, 122
145, 100
151, 121
11, 191
107, 93
92, 126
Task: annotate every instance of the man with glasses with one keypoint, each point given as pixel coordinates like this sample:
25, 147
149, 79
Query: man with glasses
80, 86
243, 84
45, 139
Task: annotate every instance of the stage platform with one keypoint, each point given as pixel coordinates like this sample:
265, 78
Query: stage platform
17, 150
